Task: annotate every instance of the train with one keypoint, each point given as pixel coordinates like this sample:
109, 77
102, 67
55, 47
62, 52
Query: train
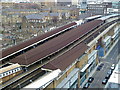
10, 71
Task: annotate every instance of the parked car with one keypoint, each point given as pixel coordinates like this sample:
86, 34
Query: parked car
90, 79
113, 66
86, 85
104, 81
99, 67
109, 72
107, 76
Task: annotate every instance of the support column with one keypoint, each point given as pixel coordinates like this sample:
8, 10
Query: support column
54, 84
78, 85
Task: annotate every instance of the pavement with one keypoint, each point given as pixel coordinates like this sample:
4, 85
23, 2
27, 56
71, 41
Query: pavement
112, 56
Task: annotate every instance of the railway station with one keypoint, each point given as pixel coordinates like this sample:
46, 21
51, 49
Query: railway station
64, 57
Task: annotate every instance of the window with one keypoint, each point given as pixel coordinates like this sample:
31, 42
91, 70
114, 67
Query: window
4, 74
9, 72
18, 69
1, 75
13, 71
84, 3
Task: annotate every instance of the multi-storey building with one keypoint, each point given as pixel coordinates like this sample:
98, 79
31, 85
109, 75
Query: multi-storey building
98, 8
114, 80
41, 20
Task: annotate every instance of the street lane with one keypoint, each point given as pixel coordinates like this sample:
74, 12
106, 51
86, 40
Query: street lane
99, 76
108, 61
113, 54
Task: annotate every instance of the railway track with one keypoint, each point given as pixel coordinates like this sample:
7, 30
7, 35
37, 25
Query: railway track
21, 82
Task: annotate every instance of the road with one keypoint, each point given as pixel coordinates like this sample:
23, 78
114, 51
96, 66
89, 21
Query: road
108, 61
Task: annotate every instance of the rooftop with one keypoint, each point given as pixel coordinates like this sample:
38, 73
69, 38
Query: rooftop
53, 46
63, 61
18, 10
34, 16
39, 38
41, 15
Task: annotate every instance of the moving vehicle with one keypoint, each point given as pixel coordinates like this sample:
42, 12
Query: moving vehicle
9, 71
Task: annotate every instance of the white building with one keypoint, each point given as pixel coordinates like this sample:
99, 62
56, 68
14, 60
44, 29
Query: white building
83, 4
16, 1
75, 2
114, 81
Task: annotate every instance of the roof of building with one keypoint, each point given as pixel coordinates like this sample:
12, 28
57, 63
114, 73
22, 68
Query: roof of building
45, 9
54, 14
34, 16
41, 15
108, 16
56, 44
22, 45
44, 13
63, 61
66, 8
94, 35
92, 17
18, 10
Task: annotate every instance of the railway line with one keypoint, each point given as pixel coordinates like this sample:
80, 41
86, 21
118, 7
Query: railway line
96, 33
37, 68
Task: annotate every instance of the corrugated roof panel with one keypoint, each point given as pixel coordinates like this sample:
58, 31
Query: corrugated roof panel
63, 61
55, 44
22, 45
